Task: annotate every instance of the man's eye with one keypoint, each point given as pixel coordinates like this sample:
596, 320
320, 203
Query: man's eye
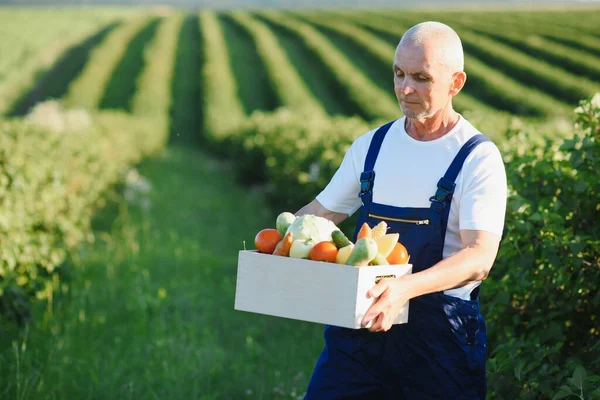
422, 78
399, 73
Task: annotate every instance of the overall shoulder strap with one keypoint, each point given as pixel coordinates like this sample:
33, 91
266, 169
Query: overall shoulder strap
446, 185
376, 146
367, 177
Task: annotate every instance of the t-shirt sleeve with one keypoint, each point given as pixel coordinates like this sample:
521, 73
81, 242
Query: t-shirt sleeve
341, 193
483, 201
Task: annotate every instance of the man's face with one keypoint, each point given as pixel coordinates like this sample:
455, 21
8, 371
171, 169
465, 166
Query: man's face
421, 83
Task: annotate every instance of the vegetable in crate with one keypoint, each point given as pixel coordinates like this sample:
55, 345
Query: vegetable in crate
284, 246
324, 251
344, 253
284, 220
340, 239
379, 231
312, 227
364, 232
365, 250
266, 240
399, 255
301, 248
386, 243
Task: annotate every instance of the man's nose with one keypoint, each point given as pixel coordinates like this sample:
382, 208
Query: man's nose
405, 86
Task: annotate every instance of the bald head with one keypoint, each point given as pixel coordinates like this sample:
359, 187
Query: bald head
442, 39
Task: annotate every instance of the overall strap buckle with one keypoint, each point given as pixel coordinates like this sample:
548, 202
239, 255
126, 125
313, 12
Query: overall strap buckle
366, 182
444, 191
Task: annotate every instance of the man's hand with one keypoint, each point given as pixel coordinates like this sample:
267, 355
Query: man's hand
316, 208
392, 294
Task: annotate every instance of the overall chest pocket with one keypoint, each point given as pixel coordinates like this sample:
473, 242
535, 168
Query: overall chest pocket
419, 228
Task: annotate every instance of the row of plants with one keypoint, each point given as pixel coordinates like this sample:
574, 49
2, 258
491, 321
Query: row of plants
88, 89
152, 98
374, 102
222, 109
581, 63
526, 23
27, 53
490, 85
286, 81
382, 52
570, 35
523, 66
57, 164
582, 21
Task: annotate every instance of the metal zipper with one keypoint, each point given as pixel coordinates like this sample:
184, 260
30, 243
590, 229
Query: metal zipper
408, 221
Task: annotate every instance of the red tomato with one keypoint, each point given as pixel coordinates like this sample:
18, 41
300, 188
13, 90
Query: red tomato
323, 251
399, 255
266, 240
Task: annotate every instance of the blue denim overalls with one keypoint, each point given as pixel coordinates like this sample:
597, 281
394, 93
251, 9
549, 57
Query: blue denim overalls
440, 353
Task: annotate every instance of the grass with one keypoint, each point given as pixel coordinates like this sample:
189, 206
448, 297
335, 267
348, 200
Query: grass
150, 309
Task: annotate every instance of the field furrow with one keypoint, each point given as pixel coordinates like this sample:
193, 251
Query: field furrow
287, 83
314, 72
121, 86
29, 55
54, 83
88, 89
374, 101
254, 87
485, 83
380, 50
186, 112
222, 108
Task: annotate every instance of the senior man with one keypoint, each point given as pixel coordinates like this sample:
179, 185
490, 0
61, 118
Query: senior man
441, 184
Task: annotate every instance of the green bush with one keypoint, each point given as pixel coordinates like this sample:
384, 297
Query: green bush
295, 154
542, 297
54, 168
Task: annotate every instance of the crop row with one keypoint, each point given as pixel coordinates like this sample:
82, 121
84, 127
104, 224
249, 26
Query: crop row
153, 98
89, 88
222, 108
289, 86
572, 34
527, 69
534, 44
375, 103
28, 53
578, 62
487, 81
484, 82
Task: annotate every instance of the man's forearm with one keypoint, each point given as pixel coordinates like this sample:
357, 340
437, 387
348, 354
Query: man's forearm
465, 266
315, 208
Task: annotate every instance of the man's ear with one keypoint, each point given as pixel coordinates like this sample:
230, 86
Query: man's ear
458, 81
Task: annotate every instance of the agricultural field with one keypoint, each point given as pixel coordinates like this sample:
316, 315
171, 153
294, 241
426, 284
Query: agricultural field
141, 149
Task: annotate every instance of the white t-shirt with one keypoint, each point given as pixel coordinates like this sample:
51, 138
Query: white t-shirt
406, 175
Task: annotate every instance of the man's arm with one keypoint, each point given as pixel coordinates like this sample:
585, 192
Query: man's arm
472, 263
316, 208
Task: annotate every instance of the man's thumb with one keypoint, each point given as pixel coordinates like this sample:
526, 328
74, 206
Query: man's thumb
377, 290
